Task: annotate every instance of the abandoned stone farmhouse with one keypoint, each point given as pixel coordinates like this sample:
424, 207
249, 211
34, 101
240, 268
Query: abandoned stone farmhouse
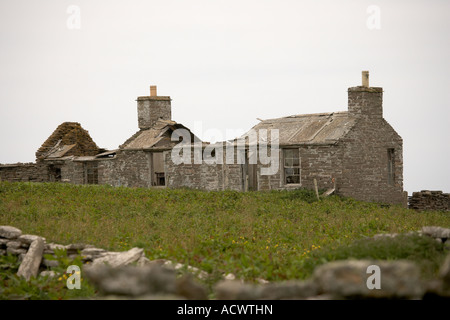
353, 153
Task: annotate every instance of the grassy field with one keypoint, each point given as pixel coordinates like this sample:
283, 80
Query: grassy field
275, 235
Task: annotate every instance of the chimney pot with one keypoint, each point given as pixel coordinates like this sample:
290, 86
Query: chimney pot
153, 91
365, 79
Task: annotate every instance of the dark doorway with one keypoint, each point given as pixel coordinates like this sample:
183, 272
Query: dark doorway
54, 173
250, 172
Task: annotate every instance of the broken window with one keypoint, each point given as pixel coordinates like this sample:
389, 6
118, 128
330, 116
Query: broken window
291, 166
91, 173
159, 178
391, 166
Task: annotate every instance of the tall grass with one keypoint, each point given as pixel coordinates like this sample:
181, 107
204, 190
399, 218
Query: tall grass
266, 235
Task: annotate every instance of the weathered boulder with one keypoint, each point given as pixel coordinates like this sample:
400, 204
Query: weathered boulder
28, 238
54, 246
50, 248
385, 236
92, 251
436, 232
144, 261
30, 264
9, 232
236, 290
117, 259
188, 288
89, 254
15, 251
348, 279
21, 256
75, 248
131, 280
444, 273
179, 266
49, 263
289, 290
14, 244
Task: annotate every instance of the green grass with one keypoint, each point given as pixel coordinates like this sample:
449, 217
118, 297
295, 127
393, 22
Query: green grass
275, 235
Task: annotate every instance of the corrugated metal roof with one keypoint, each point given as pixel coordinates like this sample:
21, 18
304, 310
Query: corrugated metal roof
320, 128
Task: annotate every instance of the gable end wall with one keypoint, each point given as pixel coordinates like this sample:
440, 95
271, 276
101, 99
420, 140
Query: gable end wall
365, 163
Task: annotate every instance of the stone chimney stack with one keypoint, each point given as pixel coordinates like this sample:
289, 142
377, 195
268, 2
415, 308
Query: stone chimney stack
365, 101
153, 107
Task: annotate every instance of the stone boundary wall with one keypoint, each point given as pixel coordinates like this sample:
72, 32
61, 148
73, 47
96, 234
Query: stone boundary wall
430, 200
23, 172
163, 279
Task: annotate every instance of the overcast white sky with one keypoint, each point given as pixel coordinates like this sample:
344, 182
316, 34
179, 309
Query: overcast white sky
224, 64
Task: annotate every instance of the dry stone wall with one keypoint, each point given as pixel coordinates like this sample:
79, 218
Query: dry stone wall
130, 275
23, 172
430, 200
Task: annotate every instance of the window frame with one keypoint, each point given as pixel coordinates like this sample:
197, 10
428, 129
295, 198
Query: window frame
293, 166
91, 173
158, 178
391, 166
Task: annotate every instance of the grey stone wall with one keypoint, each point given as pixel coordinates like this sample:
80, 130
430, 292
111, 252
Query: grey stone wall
365, 163
430, 200
203, 176
128, 169
22, 172
316, 162
72, 172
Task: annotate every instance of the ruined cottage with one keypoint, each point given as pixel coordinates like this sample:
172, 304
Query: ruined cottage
354, 153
